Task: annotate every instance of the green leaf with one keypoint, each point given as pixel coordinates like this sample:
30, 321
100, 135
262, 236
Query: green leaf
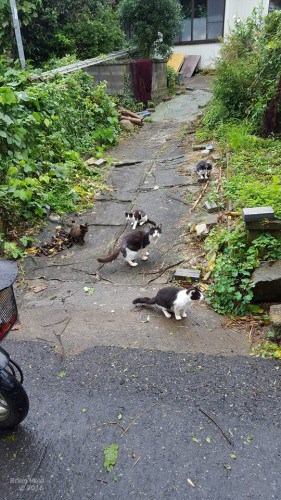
110, 456
208, 439
227, 467
47, 122
233, 456
255, 309
62, 374
12, 170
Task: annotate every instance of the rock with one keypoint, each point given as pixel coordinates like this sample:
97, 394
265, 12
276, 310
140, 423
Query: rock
215, 157
198, 147
201, 229
275, 320
257, 213
211, 207
206, 152
54, 217
126, 125
201, 106
267, 282
210, 147
187, 274
190, 88
211, 220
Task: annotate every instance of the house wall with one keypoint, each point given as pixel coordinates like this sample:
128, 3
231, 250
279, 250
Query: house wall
210, 51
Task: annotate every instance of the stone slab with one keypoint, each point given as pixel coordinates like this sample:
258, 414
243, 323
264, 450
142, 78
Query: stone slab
211, 207
275, 320
187, 274
257, 214
267, 282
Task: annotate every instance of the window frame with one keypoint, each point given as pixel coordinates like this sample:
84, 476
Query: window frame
207, 40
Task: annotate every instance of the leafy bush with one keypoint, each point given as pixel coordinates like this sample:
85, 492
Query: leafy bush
231, 289
171, 79
153, 25
53, 29
248, 73
44, 130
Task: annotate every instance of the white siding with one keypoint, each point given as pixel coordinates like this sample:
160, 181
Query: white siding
242, 9
210, 51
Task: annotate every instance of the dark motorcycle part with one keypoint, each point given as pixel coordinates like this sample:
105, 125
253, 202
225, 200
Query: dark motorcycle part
14, 403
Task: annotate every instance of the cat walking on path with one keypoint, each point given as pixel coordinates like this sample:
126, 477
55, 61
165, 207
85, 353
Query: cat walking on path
172, 299
134, 243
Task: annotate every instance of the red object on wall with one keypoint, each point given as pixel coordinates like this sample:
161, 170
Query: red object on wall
141, 73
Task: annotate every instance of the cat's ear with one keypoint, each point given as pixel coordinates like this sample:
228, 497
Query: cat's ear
159, 226
126, 214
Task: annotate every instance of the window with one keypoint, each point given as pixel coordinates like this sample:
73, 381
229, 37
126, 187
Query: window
274, 5
203, 20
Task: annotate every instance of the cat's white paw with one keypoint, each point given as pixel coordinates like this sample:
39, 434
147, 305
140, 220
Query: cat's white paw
133, 264
167, 314
144, 257
184, 315
146, 253
141, 223
178, 317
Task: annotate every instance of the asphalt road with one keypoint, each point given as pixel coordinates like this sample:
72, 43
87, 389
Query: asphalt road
168, 448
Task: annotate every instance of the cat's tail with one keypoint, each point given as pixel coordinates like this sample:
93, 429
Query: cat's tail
110, 257
151, 222
144, 300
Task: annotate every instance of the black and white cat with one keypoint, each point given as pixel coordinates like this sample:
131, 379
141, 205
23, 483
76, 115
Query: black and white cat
132, 243
138, 217
203, 169
172, 299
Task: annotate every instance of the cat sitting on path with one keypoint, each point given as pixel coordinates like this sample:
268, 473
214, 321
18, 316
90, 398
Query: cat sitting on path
172, 299
138, 217
132, 243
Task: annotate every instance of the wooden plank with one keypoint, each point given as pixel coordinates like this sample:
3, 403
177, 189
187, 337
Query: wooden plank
190, 64
176, 61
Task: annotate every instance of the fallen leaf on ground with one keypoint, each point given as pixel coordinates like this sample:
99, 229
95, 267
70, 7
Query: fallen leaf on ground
62, 374
110, 456
146, 320
39, 288
233, 456
208, 439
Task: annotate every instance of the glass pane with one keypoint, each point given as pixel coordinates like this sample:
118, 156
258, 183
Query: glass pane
215, 10
274, 5
200, 28
215, 30
200, 8
186, 30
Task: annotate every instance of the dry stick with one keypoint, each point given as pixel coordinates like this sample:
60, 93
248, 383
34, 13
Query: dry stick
136, 462
214, 422
116, 423
200, 196
138, 417
166, 269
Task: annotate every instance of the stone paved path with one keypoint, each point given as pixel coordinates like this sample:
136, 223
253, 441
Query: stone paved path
162, 181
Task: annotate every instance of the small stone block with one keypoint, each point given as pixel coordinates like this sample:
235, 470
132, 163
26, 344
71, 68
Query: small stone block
206, 152
210, 147
190, 88
215, 157
211, 207
201, 229
275, 319
187, 274
198, 147
99, 162
211, 220
257, 213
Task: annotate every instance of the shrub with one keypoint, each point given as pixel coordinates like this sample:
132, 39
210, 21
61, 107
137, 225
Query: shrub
44, 130
153, 25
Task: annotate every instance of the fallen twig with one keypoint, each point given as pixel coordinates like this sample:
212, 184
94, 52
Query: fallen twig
135, 463
138, 417
200, 196
166, 269
59, 335
214, 422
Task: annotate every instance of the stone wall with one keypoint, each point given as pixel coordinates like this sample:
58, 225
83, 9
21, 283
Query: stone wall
114, 74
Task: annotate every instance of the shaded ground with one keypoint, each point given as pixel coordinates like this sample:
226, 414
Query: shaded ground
89, 358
